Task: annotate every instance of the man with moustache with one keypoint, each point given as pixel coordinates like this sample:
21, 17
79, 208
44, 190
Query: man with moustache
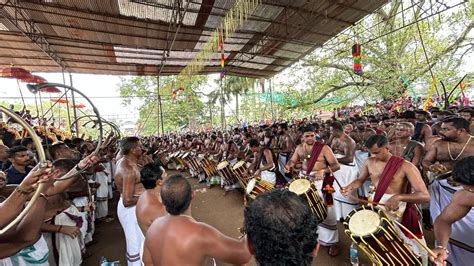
454, 145
325, 163
401, 144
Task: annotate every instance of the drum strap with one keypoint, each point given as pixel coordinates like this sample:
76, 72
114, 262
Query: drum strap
317, 148
410, 216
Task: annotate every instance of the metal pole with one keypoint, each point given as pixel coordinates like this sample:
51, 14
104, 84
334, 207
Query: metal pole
160, 107
74, 105
222, 107
158, 103
67, 105
271, 99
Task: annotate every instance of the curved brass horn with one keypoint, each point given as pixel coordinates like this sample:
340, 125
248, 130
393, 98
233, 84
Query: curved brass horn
35, 88
41, 164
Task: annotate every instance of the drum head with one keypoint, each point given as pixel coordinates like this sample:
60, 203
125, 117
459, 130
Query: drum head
364, 222
251, 185
238, 164
222, 165
300, 186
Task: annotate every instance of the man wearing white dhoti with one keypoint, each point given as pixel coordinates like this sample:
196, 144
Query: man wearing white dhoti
318, 160
344, 147
127, 180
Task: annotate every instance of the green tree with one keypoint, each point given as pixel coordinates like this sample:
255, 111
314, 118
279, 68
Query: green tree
186, 108
399, 40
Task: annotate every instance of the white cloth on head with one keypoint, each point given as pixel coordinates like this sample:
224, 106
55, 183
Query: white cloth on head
36, 254
133, 234
461, 242
345, 175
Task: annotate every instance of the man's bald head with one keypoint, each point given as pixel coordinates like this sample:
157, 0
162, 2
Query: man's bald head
176, 194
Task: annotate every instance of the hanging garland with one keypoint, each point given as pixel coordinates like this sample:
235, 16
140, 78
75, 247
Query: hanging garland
234, 18
356, 56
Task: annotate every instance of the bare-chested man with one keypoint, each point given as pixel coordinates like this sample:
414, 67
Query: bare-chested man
149, 205
325, 163
285, 148
344, 148
127, 180
229, 149
398, 190
360, 135
401, 144
459, 208
263, 163
177, 239
454, 145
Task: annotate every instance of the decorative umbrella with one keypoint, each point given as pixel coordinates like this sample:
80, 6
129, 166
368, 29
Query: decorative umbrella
79, 106
15, 72
35, 79
50, 89
59, 100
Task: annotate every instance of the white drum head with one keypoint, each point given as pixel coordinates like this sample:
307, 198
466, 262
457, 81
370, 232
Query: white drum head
300, 186
222, 165
251, 185
238, 164
364, 222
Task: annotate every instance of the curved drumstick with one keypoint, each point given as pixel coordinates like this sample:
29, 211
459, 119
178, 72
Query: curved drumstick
416, 238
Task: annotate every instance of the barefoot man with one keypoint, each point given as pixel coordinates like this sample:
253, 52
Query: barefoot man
127, 180
399, 187
178, 239
324, 162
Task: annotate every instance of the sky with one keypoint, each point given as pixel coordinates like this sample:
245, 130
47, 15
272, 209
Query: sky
102, 89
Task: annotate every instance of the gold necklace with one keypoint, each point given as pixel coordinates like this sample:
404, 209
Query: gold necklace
463, 148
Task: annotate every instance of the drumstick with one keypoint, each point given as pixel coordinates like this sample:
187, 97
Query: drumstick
416, 239
365, 201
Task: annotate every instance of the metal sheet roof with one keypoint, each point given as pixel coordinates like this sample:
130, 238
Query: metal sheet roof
128, 37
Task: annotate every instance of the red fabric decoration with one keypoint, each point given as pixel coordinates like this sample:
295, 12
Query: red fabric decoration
15, 72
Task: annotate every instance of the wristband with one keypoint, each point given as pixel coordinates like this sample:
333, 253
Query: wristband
23, 191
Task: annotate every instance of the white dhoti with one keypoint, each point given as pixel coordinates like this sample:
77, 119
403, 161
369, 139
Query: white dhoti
327, 229
36, 254
102, 208
85, 237
133, 234
461, 241
282, 160
268, 176
360, 158
417, 249
344, 205
68, 248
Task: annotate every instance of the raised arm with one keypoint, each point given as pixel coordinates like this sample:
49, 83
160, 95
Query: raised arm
224, 248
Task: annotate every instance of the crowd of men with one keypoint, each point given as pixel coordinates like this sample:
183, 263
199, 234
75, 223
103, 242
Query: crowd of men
407, 161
